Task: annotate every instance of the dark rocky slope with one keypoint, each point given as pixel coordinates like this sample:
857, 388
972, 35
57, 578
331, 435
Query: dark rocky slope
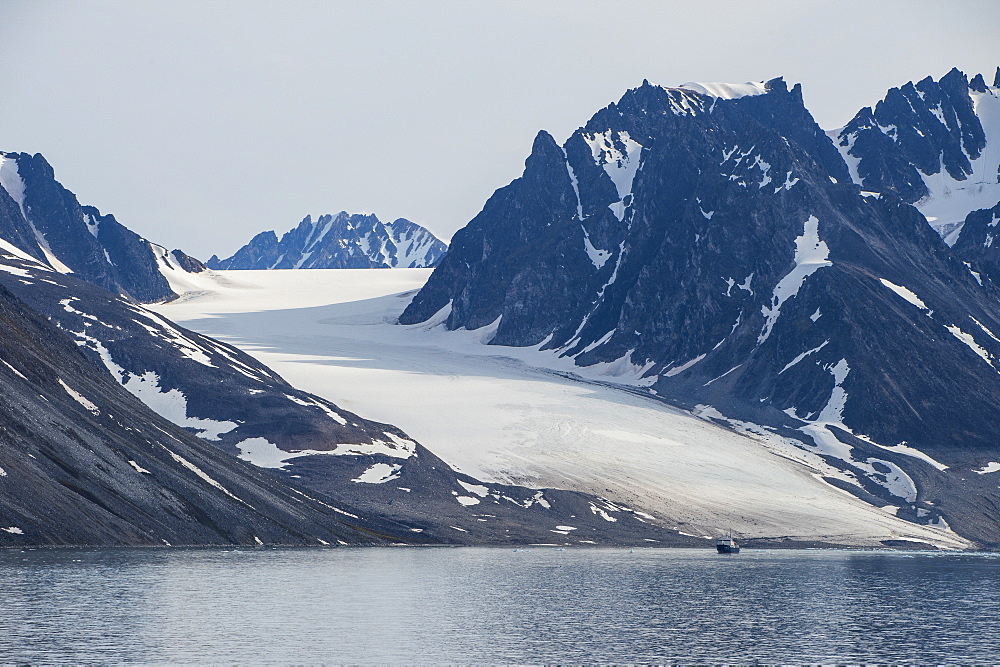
82, 462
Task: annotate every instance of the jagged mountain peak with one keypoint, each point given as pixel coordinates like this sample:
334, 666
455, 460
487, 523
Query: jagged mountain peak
42, 218
339, 241
935, 144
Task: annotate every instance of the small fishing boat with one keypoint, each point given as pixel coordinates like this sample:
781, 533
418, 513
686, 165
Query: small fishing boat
727, 545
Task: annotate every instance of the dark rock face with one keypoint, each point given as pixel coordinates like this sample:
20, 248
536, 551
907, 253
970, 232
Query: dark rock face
82, 462
341, 241
716, 253
978, 244
231, 405
48, 223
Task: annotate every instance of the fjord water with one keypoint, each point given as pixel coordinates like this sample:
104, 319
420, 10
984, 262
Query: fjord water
434, 605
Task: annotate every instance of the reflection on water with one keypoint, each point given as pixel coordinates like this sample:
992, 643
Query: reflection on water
496, 605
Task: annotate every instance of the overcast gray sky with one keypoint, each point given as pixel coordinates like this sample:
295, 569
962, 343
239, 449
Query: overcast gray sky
199, 123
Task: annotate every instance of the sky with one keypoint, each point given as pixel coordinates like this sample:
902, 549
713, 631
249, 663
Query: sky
200, 123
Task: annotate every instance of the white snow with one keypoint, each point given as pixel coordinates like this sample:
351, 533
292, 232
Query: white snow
802, 356
906, 294
727, 91
810, 256
789, 182
500, 414
576, 187
93, 226
15, 271
951, 200
597, 257
11, 181
620, 164
139, 468
13, 530
985, 330
915, 453
990, 467
477, 489
171, 334
970, 341
79, 398
50, 256
683, 367
12, 249
467, 500
170, 404
845, 152
203, 475
16, 372
263, 453
379, 473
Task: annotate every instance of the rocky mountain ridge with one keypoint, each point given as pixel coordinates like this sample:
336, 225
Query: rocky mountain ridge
341, 241
44, 219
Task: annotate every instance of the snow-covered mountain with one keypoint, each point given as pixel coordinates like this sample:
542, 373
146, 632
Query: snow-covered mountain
45, 220
935, 144
706, 244
341, 241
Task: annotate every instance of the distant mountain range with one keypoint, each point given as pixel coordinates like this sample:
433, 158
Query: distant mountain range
710, 245
341, 241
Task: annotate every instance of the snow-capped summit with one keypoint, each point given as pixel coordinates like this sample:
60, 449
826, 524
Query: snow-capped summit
727, 91
341, 241
43, 219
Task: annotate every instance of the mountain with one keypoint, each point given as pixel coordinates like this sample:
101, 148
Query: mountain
707, 245
82, 462
45, 220
341, 241
235, 408
935, 144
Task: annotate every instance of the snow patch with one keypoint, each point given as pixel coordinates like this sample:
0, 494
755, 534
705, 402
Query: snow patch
620, 155
970, 342
379, 473
11, 181
79, 398
905, 294
597, 257
810, 256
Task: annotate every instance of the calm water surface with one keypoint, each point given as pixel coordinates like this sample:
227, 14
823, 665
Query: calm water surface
426, 605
